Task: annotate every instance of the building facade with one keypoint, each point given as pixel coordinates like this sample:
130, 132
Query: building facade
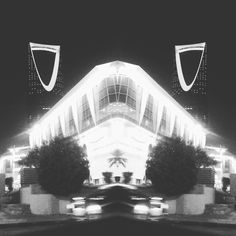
117, 111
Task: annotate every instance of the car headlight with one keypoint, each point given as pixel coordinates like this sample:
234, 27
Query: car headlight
94, 209
141, 209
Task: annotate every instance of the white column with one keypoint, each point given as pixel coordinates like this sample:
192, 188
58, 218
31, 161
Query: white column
62, 122
91, 104
52, 127
172, 122
143, 105
159, 115
181, 127
75, 114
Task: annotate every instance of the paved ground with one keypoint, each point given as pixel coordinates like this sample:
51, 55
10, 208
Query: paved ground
199, 219
64, 225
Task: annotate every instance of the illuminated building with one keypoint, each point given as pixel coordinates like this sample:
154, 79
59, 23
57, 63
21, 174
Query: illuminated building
226, 163
9, 163
117, 111
191, 93
41, 96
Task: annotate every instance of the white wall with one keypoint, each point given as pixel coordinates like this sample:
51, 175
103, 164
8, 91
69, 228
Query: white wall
194, 204
43, 204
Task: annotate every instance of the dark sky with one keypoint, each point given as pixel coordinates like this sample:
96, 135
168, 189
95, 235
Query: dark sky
139, 32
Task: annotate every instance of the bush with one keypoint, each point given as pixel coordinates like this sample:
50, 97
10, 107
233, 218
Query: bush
173, 166
61, 165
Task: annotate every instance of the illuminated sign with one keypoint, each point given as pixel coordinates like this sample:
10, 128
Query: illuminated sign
49, 48
184, 48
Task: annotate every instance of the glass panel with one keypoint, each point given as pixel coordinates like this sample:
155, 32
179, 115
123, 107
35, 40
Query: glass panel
112, 98
123, 89
111, 89
122, 98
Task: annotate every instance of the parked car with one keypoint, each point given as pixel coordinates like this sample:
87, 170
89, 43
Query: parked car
118, 199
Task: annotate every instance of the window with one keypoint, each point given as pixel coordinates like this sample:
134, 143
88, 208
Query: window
117, 88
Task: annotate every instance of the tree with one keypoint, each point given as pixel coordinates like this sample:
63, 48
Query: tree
173, 166
32, 159
202, 160
61, 165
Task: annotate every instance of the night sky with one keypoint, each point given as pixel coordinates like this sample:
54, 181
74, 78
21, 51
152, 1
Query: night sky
138, 32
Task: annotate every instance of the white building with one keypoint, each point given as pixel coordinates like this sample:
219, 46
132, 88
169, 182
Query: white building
117, 110
9, 163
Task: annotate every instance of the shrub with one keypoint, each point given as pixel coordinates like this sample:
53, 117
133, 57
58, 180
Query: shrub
61, 165
173, 166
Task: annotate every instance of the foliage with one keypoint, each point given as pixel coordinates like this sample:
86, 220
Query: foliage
61, 165
202, 159
107, 177
173, 166
32, 159
127, 177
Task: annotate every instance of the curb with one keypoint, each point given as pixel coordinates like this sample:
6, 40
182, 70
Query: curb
43, 222
199, 223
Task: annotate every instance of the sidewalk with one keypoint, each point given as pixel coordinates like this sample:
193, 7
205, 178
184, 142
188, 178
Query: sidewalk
6, 219
229, 220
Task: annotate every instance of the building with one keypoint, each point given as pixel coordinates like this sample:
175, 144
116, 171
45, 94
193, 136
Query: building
190, 90
9, 163
40, 98
117, 111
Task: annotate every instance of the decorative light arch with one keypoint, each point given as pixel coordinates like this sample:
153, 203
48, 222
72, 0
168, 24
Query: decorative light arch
184, 48
49, 48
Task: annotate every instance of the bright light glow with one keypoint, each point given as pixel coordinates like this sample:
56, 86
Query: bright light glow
184, 48
141, 209
79, 211
107, 186
49, 48
78, 198
157, 198
155, 211
94, 209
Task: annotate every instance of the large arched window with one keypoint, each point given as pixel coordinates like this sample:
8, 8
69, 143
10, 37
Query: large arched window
117, 88
117, 97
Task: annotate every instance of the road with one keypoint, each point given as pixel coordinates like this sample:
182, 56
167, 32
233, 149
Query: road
117, 226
